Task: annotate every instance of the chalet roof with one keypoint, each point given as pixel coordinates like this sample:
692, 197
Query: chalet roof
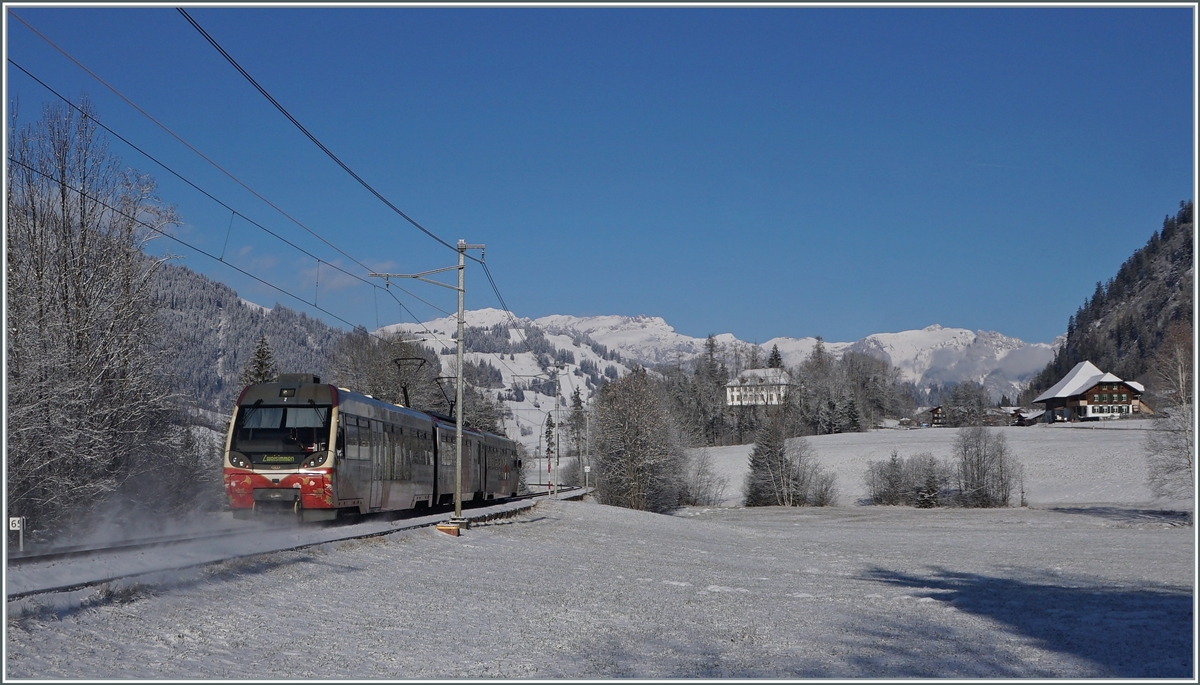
762, 377
1079, 379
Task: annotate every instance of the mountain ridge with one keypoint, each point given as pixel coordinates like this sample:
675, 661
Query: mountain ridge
931, 355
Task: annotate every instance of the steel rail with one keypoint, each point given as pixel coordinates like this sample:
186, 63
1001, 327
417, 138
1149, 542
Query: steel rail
87, 550
362, 536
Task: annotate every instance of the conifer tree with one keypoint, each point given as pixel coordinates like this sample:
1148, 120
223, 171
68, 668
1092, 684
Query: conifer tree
261, 367
775, 361
549, 436
927, 497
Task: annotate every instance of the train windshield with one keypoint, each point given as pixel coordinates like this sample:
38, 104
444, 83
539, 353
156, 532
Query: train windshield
280, 434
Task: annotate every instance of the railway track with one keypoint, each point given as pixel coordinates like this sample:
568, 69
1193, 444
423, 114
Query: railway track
312, 536
33, 556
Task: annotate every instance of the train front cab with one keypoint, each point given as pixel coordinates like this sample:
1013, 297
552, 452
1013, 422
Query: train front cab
279, 453
311, 449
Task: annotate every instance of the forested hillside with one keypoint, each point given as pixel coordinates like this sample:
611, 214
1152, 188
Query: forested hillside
212, 332
1121, 326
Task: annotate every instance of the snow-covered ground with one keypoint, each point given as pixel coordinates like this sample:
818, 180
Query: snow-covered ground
582, 590
1090, 582
1084, 463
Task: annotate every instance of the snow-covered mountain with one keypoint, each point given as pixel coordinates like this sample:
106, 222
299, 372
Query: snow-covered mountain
586, 347
583, 364
645, 339
930, 355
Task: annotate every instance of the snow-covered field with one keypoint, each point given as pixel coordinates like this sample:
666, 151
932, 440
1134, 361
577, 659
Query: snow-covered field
1090, 582
1092, 463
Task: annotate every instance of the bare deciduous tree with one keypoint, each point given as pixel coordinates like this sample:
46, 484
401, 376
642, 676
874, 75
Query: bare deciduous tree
1171, 444
639, 456
89, 414
986, 472
701, 485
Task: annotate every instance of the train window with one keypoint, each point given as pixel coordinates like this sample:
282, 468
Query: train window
351, 439
262, 417
306, 417
279, 434
386, 456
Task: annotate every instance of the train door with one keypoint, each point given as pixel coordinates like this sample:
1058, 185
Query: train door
470, 469
349, 472
377, 462
445, 466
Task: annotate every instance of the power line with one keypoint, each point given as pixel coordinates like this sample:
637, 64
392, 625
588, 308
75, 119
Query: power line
305, 131
236, 213
181, 242
233, 211
184, 142
343, 165
237, 66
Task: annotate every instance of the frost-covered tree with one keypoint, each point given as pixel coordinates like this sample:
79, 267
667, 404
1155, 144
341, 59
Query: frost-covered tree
384, 366
1171, 444
967, 404
550, 443
261, 368
986, 471
785, 473
916, 481
701, 485
89, 411
637, 450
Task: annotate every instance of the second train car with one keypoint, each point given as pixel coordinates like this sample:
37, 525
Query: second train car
314, 449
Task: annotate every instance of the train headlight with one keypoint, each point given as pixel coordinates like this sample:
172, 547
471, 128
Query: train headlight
316, 460
239, 461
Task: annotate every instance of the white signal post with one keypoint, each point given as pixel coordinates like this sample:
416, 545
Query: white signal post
557, 440
457, 519
17, 523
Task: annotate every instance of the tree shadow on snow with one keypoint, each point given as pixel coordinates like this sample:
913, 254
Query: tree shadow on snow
1131, 516
61, 605
1124, 632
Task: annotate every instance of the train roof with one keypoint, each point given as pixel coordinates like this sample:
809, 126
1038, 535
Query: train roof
305, 387
290, 388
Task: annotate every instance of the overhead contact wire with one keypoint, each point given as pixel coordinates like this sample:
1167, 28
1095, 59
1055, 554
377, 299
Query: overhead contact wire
183, 242
305, 131
184, 142
234, 213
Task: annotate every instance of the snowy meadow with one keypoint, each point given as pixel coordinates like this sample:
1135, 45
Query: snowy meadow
1093, 580
1065, 464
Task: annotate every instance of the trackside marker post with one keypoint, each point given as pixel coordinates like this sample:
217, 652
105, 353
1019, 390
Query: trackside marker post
17, 523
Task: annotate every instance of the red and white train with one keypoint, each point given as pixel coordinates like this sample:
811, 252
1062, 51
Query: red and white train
316, 450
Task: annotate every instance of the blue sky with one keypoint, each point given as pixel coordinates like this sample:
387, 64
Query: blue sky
758, 171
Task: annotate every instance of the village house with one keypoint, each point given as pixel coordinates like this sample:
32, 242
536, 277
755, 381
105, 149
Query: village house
1028, 418
925, 417
937, 416
1088, 394
754, 387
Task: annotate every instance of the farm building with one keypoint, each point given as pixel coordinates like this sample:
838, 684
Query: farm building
1088, 394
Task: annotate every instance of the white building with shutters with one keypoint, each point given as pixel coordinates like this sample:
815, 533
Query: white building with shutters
754, 387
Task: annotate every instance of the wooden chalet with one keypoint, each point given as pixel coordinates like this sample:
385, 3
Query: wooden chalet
1088, 394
